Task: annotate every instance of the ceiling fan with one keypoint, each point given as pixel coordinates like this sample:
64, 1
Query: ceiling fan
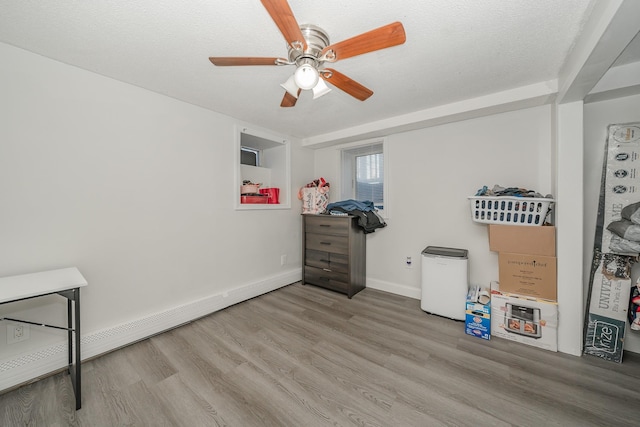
309, 49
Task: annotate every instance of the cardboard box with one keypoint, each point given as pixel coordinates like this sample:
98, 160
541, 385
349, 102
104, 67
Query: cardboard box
528, 275
523, 239
524, 319
478, 312
608, 307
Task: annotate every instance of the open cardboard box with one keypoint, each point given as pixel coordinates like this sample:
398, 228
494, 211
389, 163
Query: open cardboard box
524, 319
523, 239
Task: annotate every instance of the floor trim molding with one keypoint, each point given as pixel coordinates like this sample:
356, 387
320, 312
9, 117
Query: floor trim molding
394, 288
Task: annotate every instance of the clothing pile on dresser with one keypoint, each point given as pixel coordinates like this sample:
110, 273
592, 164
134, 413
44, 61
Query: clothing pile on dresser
368, 217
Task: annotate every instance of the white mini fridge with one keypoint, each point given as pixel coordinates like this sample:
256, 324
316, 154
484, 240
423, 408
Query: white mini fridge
445, 281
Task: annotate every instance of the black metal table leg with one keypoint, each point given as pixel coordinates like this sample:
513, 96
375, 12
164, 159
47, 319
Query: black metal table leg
77, 331
73, 327
69, 333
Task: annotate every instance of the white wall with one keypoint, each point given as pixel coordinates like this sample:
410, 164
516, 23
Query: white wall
597, 116
133, 188
432, 171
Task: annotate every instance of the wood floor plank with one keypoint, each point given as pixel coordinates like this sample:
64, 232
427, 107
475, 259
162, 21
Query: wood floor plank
148, 362
269, 354
208, 381
284, 368
307, 384
306, 356
26, 403
187, 407
494, 398
140, 395
287, 405
354, 375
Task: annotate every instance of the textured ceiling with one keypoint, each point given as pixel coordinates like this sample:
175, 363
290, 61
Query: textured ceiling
455, 50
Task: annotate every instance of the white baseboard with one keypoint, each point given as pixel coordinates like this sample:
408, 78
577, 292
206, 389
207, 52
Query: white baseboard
394, 288
30, 366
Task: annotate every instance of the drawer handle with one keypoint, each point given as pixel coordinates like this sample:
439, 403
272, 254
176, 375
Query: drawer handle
325, 243
326, 279
326, 269
324, 260
325, 225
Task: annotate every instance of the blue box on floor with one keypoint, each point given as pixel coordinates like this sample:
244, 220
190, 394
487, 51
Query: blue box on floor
478, 312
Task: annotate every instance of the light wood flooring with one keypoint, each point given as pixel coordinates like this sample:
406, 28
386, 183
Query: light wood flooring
305, 356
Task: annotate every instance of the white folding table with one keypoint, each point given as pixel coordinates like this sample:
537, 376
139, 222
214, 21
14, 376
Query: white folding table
65, 282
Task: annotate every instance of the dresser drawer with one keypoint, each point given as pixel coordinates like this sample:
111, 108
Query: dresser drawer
326, 279
339, 263
328, 260
327, 243
319, 259
325, 224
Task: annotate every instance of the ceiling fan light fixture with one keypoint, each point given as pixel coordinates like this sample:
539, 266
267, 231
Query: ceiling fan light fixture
320, 89
306, 77
291, 87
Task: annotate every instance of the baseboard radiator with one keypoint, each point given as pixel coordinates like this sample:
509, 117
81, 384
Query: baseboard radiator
25, 368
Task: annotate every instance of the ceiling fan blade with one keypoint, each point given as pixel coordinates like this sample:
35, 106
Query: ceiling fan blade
380, 38
289, 100
344, 83
223, 61
283, 17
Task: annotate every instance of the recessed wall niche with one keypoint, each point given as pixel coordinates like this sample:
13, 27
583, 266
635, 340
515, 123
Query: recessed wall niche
265, 159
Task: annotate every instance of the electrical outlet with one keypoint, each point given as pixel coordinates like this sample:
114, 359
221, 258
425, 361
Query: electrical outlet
408, 262
17, 333
283, 259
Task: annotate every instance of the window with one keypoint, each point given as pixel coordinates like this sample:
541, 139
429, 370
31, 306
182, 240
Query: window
363, 173
249, 156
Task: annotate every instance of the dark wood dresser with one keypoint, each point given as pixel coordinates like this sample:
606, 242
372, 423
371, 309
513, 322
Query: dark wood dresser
333, 253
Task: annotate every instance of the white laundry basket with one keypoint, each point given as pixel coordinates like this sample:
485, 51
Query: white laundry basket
509, 210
